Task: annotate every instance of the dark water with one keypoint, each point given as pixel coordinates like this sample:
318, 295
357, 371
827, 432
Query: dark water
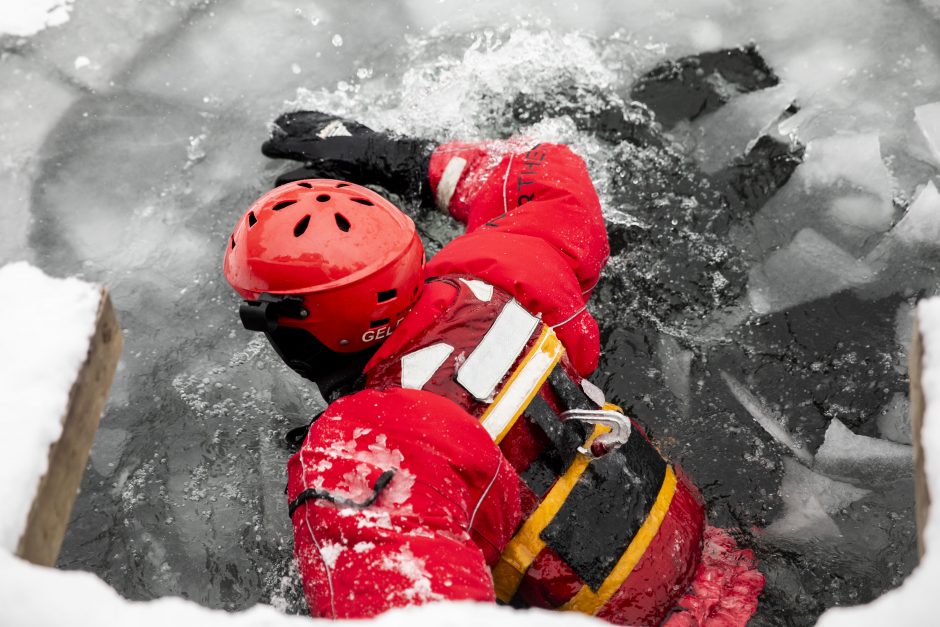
138, 183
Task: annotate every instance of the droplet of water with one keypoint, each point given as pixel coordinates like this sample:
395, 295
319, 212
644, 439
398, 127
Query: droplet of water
337, 40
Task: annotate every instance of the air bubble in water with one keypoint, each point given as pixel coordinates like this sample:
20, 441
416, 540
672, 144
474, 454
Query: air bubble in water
337, 40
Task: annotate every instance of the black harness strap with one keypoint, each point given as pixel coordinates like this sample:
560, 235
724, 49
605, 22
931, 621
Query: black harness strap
314, 493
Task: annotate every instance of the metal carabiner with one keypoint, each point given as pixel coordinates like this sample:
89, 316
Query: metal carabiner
619, 427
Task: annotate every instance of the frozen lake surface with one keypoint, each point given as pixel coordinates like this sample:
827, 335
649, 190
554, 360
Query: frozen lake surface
766, 353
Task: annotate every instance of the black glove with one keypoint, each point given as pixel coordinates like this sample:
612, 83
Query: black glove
333, 147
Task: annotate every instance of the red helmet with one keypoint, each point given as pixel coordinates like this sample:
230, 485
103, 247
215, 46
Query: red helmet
332, 258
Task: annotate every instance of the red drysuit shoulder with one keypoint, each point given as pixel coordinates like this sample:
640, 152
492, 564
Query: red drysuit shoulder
448, 479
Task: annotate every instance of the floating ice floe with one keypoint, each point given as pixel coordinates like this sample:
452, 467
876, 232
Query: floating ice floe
809, 500
928, 119
921, 223
771, 423
732, 130
860, 459
918, 229
894, 422
809, 267
849, 159
676, 364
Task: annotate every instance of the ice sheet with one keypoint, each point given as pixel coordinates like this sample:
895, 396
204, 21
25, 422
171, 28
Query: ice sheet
42, 353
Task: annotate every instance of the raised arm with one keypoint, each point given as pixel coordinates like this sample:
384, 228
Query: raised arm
534, 228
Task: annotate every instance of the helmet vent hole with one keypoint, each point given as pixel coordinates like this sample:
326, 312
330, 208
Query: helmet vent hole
387, 295
283, 204
233, 242
307, 185
301, 226
378, 323
323, 197
252, 220
362, 201
342, 222
342, 185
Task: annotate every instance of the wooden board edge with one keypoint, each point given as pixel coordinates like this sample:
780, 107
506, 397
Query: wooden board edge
921, 489
52, 503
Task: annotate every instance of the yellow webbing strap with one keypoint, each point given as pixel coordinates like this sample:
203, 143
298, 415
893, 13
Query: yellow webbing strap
522, 386
527, 543
588, 601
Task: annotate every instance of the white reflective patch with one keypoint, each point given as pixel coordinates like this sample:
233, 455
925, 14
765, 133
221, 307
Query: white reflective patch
489, 362
482, 290
593, 392
334, 129
524, 385
418, 367
449, 180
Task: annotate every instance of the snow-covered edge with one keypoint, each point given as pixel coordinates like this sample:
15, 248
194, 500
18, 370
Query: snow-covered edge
45, 329
914, 603
33, 596
23, 18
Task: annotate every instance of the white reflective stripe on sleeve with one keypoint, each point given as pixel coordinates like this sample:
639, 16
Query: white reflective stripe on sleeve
518, 392
448, 182
497, 351
482, 290
418, 367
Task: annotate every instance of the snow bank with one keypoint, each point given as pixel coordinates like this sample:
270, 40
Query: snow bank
46, 325
26, 590
914, 602
27, 17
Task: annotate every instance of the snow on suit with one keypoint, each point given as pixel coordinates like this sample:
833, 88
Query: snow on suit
451, 475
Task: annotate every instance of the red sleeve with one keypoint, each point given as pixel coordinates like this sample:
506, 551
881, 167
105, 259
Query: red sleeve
534, 228
432, 530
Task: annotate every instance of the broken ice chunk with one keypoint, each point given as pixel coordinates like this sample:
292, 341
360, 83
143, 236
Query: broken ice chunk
861, 212
894, 421
803, 521
928, 119
860, 459
852, 159
809, 498
676, 364
921, 223
730, 132
771, 423
809, 267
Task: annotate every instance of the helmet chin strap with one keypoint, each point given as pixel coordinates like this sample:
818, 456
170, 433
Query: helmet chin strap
263, 314
336, 374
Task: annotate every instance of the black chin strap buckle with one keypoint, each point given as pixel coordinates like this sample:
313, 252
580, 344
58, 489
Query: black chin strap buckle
263, 314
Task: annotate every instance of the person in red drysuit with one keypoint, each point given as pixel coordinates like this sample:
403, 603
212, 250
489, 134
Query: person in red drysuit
464, 455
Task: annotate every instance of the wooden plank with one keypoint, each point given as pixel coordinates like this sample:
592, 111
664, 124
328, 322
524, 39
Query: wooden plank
921, 493
52, 504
